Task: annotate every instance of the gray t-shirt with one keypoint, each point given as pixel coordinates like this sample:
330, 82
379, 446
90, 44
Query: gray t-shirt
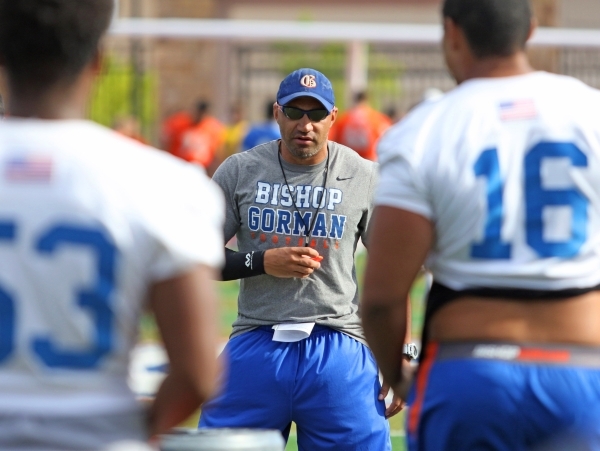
261, 212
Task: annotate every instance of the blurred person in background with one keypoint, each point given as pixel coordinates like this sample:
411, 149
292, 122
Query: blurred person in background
173, 128
129, 126
234, 133
263, 132
298, 206
496, 184
393, 114
88, 240
361, 127
203, 140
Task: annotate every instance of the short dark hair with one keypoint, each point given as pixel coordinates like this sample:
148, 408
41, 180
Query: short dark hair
269, 110
492, 27
360, 96
43, 42
202, 106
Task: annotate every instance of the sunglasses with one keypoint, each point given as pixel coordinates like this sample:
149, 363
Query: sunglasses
295, 114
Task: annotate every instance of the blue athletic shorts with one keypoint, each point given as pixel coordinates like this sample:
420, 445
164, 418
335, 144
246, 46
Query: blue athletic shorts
505, 397
327, 384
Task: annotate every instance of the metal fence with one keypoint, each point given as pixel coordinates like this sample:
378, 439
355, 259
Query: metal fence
398, 75
583, 64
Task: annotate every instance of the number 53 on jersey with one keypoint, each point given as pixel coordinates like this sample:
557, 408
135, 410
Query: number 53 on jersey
94, 300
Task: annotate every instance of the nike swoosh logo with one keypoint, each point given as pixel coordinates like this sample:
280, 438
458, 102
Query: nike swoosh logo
339, 179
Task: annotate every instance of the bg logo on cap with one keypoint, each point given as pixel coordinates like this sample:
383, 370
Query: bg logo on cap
308, 81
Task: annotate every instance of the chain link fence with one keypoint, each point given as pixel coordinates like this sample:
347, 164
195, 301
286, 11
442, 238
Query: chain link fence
133, 80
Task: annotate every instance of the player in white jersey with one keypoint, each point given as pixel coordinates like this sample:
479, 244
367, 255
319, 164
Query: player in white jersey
496, 186
94, 228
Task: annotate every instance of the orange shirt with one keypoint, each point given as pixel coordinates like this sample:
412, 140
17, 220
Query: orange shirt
201, 143
173, 129
360, 129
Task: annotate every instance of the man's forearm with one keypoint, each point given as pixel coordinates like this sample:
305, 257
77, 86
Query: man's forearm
175, 402
283, 262
240, 265
385, 330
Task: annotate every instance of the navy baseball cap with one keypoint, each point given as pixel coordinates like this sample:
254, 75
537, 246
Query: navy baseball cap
306, 83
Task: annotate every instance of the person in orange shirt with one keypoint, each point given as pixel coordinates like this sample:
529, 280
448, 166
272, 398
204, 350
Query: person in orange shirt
360, 128
201, 143
173, 129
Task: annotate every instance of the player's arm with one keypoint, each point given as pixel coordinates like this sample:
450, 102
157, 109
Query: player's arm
284, 262
185, 311
397, 403
399, 243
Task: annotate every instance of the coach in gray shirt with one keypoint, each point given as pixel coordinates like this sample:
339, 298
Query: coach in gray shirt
298, 207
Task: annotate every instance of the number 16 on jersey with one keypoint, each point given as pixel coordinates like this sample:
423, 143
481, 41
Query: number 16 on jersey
537, 198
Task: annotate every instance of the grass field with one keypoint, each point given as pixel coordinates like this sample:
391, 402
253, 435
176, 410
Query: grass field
398, 442
228, 292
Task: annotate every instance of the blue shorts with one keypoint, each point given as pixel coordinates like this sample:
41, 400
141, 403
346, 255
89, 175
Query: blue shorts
327, 384
505, 397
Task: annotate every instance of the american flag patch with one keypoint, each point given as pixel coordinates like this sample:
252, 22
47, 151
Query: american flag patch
28, 168
517, 109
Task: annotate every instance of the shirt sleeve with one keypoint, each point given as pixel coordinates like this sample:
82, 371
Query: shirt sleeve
187, 230
403, 168
226, 177
366, 220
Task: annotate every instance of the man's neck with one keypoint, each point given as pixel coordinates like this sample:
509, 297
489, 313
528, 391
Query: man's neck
289, 157
517, 64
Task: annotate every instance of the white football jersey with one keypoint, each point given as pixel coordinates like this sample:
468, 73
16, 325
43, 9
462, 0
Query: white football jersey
88, 220
508, 171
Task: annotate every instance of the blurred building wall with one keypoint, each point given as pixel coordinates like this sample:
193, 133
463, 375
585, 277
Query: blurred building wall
188, 70
388, 12
381, 11
546, 13
579, 13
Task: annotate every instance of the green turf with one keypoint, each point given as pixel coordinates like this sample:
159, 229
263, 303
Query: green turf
396, 426
398, 444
